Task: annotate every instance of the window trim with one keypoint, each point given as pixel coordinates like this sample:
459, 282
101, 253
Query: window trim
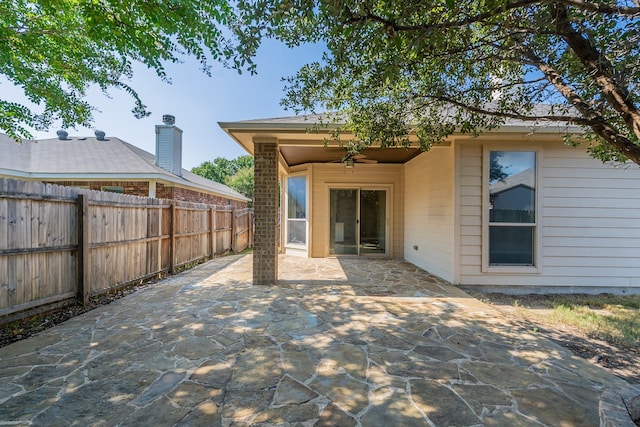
536, 268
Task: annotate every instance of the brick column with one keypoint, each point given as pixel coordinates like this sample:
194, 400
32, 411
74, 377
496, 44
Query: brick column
265, 207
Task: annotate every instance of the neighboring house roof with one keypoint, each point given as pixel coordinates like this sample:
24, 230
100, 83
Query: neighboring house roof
90, 158
526, 178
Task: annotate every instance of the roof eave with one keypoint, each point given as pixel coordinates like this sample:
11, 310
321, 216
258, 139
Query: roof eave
119, 177
243, 133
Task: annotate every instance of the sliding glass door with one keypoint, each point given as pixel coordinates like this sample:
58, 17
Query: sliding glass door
344, 222
358, 221
373, 224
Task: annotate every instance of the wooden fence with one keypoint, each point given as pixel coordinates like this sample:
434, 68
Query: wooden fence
60, 243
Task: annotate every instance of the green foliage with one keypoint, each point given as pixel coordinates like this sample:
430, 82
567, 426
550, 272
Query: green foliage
436, 67
242, 182
496, 170
218, 170
56, 49
393, 69
245, 161
236, 173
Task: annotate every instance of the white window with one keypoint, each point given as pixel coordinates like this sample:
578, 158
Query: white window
297, 210
512, 210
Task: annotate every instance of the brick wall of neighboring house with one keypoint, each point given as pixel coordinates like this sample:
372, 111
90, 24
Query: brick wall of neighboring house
163, 191
141, 188
179, 193
135, 188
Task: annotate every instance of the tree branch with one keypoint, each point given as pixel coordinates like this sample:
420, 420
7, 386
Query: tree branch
601, 71
517, 116
601, 8
591, 117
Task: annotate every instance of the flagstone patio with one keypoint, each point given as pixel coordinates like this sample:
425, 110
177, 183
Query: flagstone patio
339, 342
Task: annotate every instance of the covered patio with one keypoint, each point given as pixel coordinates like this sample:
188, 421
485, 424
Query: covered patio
337, 342
307, 205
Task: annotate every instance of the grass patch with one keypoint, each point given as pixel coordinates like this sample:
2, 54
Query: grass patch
611, 318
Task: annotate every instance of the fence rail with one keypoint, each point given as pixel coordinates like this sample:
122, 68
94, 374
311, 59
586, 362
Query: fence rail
60, 243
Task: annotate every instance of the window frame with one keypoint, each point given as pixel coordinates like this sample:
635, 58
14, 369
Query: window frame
536, 268
305, 220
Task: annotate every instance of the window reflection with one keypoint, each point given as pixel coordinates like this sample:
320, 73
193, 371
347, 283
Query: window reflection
297, 210
512, 188
297, 189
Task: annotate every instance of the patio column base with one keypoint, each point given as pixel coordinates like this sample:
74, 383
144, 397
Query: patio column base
265, 207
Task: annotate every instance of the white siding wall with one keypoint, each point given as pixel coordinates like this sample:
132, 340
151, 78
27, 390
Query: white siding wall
428, 211
591, 222
470, 202
590, 219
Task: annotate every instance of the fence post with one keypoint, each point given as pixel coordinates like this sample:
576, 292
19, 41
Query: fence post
160, 236
84, 287
234, 231
172, 238
215, 230
211, 232
250, 229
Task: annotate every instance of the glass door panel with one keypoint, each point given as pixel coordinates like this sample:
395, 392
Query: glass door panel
358, 222
373, 214
343, 232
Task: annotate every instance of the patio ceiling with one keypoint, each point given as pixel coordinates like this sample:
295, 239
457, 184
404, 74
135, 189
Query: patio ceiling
297, 155
298, 145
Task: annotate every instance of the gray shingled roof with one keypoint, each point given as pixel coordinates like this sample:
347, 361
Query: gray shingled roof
80, 157
313, 119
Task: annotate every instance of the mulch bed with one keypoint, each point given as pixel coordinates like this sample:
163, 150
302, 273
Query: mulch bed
19, 330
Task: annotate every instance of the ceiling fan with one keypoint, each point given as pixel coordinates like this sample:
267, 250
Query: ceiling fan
361, 158
349, 159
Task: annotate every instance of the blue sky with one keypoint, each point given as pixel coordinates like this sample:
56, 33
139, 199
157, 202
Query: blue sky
197, 101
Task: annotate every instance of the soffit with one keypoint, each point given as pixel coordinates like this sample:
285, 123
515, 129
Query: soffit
297, 155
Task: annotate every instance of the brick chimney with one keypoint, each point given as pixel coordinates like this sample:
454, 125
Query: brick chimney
169, 145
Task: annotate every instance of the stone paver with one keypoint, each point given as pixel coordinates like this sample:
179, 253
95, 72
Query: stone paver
339, 342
